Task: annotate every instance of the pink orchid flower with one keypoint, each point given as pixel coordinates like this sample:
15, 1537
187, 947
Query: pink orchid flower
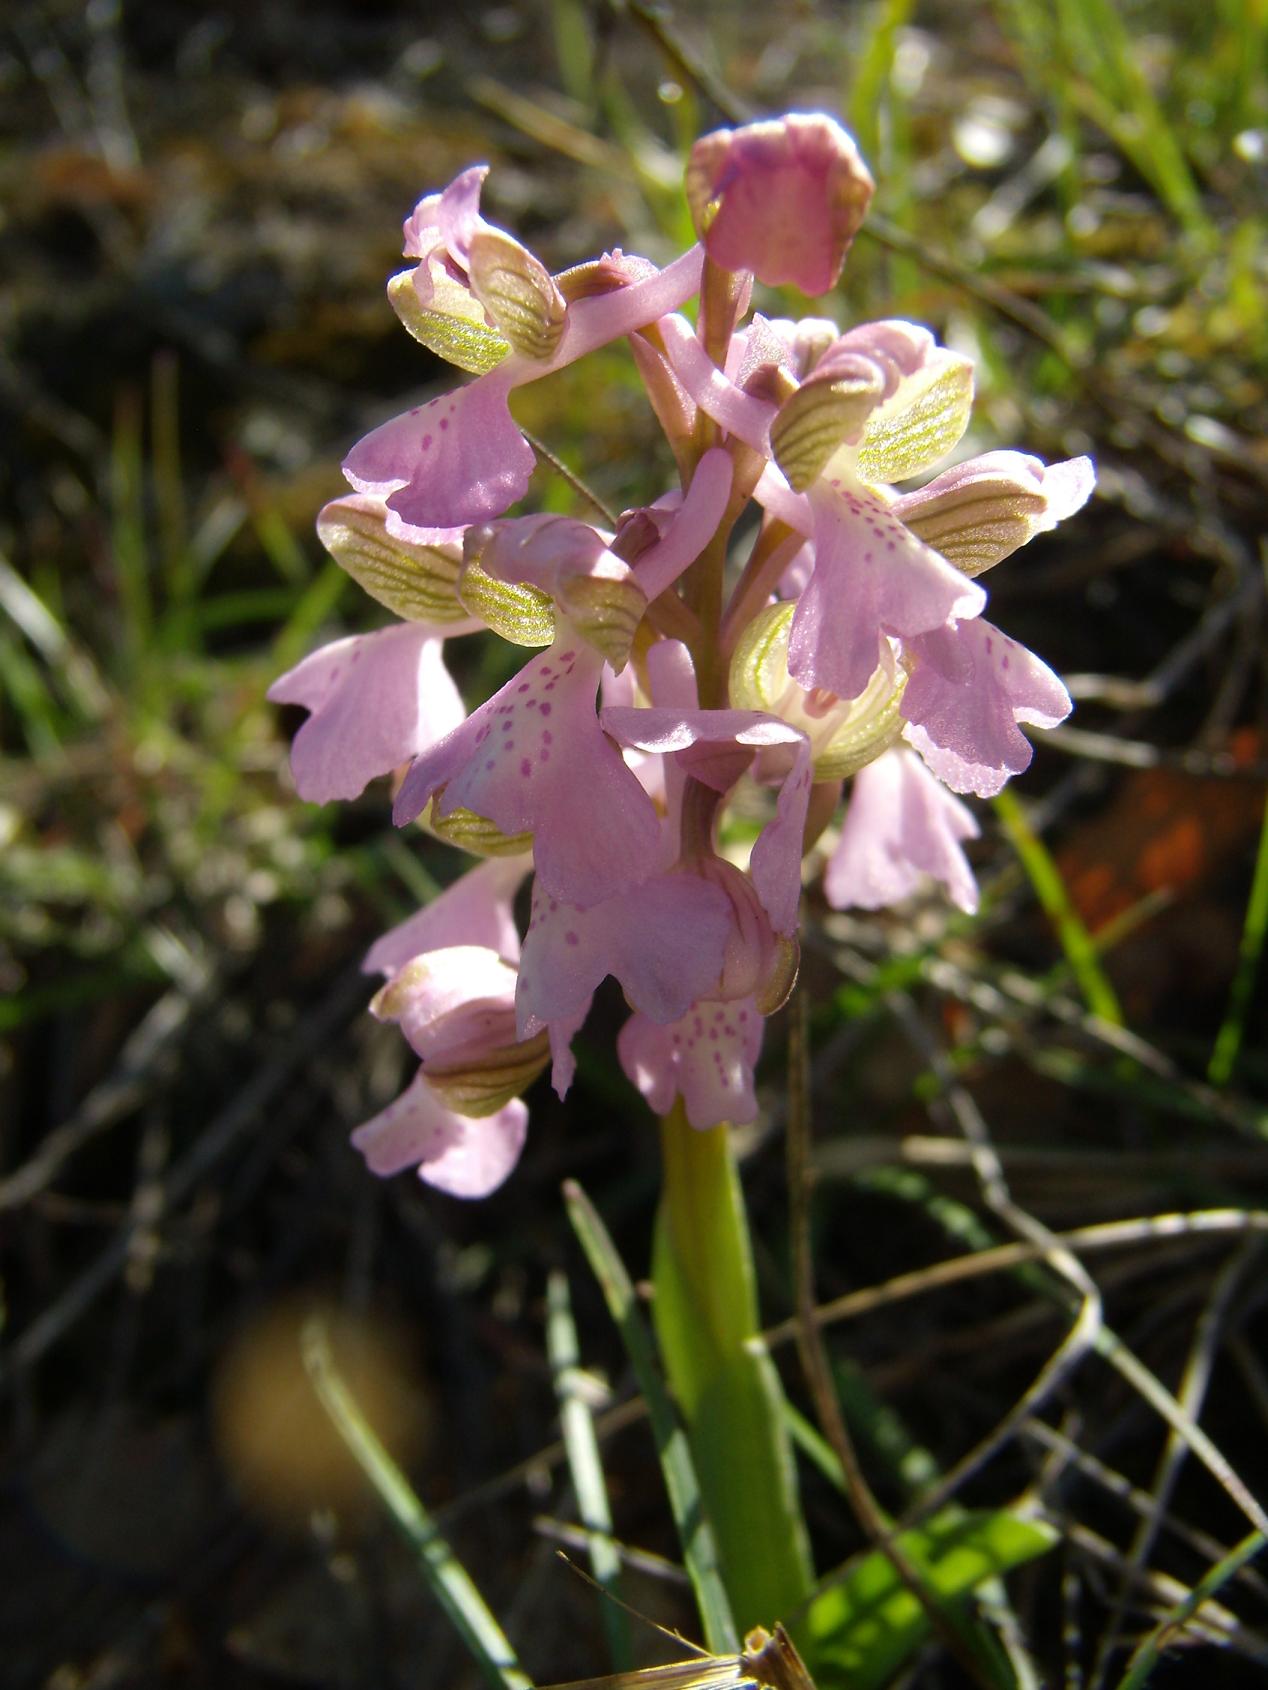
901, 826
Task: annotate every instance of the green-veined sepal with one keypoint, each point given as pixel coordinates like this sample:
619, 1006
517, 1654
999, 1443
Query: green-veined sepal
417, 582
454, 327
922, 420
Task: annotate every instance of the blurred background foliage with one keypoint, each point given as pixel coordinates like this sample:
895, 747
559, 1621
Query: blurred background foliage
200, 206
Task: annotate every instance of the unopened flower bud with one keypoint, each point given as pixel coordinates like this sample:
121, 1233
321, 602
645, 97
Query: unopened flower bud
758, 962
456, 1007
783, 198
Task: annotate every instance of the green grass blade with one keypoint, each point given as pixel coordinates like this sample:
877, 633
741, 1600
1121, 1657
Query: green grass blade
26, 690
1098, 41
860, 1630
694, 1530
128, 544
1045, 877
449, 1581
585, 1465
1228, 1041
1148, 1652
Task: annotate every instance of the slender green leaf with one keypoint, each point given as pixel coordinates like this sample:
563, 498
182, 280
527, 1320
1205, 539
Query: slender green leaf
448, 1578
1050, 889
1148, 1652
864, 1627
585, 1464
1228, 1042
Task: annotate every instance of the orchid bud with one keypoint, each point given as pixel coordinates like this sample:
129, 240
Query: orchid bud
758, 963
783, 198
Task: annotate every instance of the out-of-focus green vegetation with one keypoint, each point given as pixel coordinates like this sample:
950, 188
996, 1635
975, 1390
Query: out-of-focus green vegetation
200, 207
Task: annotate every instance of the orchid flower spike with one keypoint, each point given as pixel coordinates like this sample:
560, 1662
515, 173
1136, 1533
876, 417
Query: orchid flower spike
683, 721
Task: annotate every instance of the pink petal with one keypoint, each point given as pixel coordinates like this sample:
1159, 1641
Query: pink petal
775, 864
762, 342
563, 1063
871, 577
455, 1153
901, 824
777, 498
970, 687
534, 759
716, 746
475, 910
664, 940
596, 321
420, 233
708, 1056
376, 701
458, 212
457, 459
672, 676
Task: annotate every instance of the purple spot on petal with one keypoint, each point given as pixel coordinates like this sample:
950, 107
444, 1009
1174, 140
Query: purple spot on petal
546, 708
526, 768
571, 938
444, 422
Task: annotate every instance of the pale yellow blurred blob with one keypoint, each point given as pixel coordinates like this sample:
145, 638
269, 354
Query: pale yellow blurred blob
281, 1450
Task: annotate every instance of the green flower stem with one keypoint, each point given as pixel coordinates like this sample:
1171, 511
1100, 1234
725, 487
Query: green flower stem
727, 1389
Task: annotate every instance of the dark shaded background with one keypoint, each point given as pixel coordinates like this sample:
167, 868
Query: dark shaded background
200, 207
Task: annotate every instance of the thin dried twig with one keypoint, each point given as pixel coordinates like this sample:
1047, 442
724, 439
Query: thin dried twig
313, 1032
1191, 1395
814, 1356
